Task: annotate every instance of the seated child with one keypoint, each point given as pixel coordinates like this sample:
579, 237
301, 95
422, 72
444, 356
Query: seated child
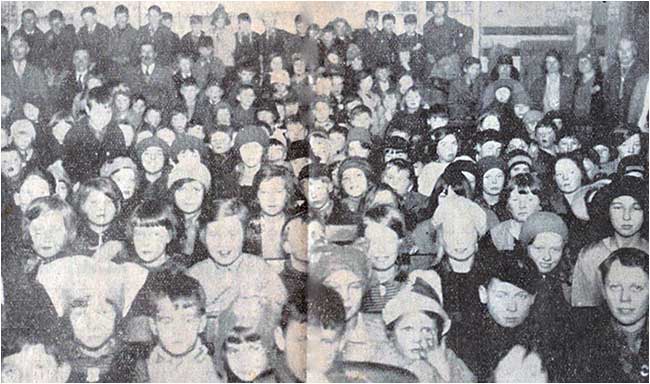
33, 360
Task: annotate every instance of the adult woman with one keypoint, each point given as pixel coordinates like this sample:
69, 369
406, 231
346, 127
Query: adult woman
224, 37
553, 91
588, 95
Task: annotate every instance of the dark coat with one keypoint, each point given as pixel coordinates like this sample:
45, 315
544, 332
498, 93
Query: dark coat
272, 43
247, 50
538, 88
165, 43
97, 44
36, 41
445, 40
123, 48
368, 42
30, 88
59, 49
618, 108
190, 45
158, 88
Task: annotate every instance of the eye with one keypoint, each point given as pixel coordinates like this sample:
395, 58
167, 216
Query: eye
614, 287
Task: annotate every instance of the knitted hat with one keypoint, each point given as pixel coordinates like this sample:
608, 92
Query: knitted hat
626, 186
189, 170
333, 258
359, 134
483, 137
152, 141
541, 222
490, 162
519, 157
355, 162
423, 293
113, 165
298, 149
396, 143
520, 96
191, 143
252, 134
464, 166
634, 163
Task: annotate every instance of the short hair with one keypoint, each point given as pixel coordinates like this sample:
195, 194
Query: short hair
325, 308
27, 12
91, 10
388, 17
388, 216
153, 213
121, 10
410, 19
154, 8
244, 16
360, 109
37, 172
371, 13
47, 204
205, 41
402, 165
176, 286
167, 16
245, 87
55, 14
295, 310
100, 95
628, 257
269, 171
222, 208
522, 182
104, 185
518, 271
437, 110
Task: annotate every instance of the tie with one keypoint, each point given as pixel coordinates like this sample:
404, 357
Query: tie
80, 82
20, 70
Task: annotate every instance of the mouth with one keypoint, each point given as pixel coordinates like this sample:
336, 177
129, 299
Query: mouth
627, 227
546, 265
512, 320
625, 311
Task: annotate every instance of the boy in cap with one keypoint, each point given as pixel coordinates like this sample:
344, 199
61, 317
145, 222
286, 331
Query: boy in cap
490, 183
152, 154
251, 144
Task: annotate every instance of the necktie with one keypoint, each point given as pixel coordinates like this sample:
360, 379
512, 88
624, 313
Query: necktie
80, 82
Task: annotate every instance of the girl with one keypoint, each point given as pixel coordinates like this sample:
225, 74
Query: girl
354, 179
99, 202
123, 171
251, 144
444, 149
274, 190
60, 124
384, 230
122, 112
229, 273
489, 186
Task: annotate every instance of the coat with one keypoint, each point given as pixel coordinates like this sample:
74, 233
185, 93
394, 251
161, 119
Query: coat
445, 40
30, 88
36, 41
538, 89
165, 43
618, 107
97, 44
247, 50
59, 49
158, 88
123, 48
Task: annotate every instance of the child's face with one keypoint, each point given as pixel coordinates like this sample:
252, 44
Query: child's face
196, 131
224, 239
384, 245
185, 65
447, 148
223, 117
294, 342
189, 155
317, 191
220, 142
356, 149
189, 92
251, 154
321, 111
415, 332
460, 242
296, 132
354, 182
99, 113
409, 27
153, 118
568, 144
631, 146
276, 153
361, 120
122, 102
12, 164
150, 242
31, 189
93, 324
214, 94
296, 243
350, 287
413, 100
62, 189
34, 364
493, 181
139, 106
276, 63
179, 122
337, 142
521, 110
437, 121
320, 147
272, 196
323, 86
99, 208
366, 84
502, 95
388, 25
405, 82
517, 143
246, 76
398, 179
153, 159
247, 359
178, 324
603, 153
189, 196
522, 204
22, 139
390, 102
382, 73
48, 234
507, 304
323, 346
166, 135
246, 98
545, 136
371, 22
126, 181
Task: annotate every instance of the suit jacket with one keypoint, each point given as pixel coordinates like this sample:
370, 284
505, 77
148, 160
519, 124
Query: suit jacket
123, 46
618, 107
36, 41
247, 50
158, 88
538, 88
68, 90
165, 42
272, 43
97, 44
30, 88
189, 46
58, 49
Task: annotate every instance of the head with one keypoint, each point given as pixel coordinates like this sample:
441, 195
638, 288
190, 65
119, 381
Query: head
353, 177
544, 236
123, 171
627, 50
221, 140
100, 106
81, 60
494, 176
151, 228
49, 226
93, 321
472, 68
553, 62
28, 19
445, 144
121, 15
412, 98
223, 232
569, 173
316, 186
509, 290
152, 153
23, 134
627, 214
99, 201
545, 134
274, 187
325, 327
34, 184
18, 47
89, 16
246, 96
56, 21
178, 316
384, 229
459, 234
399, 175
12, 162
148, 54
625, 286
523, 195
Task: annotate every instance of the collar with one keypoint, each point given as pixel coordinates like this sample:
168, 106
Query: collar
358, 334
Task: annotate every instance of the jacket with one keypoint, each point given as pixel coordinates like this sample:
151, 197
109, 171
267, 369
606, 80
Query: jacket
165, 43
36, 41
158, 88
618, 108
97, 44
538, 90
446, 39
123, 47
30, 88
59, 49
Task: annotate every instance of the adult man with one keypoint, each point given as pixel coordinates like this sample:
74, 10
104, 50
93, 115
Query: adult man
272, 40
151, 78
60, 42
34, 37
123, 44
23, 82
159, 36
75, 81
621, 79
94, 37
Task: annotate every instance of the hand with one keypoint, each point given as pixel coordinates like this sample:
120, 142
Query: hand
31, 111
436, 355
517, 367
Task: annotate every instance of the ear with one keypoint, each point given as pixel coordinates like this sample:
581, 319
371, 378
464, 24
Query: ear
152, 326
286, 246
482, 294
204, 322
280, 341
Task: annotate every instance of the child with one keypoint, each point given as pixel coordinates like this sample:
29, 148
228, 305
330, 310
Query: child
274, 188
384, 230
296, 130
228, 272
437, 117
413, 117
23, 134
444, 149
322, 115
361, 117
189, 41
291, 338
251, 143
222, 157
208, 67
317, 187
183, 70
400, 176
152, 118
99, 202
277, 153
355, 180
188, 184
12, 166
319, 147
177, 305
188, 91
179, 120
34, 360
152, 155
124, 172
244, 112
188, 148
489, 187
295, 245
359, 143
488, 143
338, 137
34, 184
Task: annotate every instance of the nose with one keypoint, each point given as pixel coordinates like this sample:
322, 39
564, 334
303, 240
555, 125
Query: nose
512, 306
522, 204
625, 296
547, 255
627, 215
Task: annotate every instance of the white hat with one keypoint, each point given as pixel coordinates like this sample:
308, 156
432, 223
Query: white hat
193, 170
472, 214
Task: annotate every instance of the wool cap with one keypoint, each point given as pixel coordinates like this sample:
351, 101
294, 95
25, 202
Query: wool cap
190, 170
189, 143
359, 134
518, 271
541, 222
152, 141
490, 162
332, 258
252, 134
113, 165
634, 163
519, 157
355, 162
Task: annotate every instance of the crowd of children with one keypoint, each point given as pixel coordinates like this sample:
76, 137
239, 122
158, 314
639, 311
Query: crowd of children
325, 205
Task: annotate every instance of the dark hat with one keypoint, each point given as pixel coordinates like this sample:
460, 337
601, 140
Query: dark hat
519, 157
152, 141
298, 149
483, 137
541, 222
491, 162
188, 142
518, 271
465, 166
504, 59
397, 143
252, 134
355, 162
633, 163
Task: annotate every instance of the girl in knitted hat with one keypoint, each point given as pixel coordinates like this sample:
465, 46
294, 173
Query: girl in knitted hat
354, 176
444, 149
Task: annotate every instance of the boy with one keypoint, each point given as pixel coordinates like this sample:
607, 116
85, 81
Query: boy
291, 338
437, 117
152, 154
222, 158
189, 41
244, 113
23, 135
322, 115
386, 48
294, 243
413, 118
361, 117
178, 120
317, 187
94, 139
296, 130
12, 167
184, 69
338, 137
367, 39
413, 43
207, 67
400, 176
178, 317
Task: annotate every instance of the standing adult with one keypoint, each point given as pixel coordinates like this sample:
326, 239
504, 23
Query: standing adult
554, 90
156, 34
224, 37
123, 44
445, 40
60, 42
34, 37
94, 37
